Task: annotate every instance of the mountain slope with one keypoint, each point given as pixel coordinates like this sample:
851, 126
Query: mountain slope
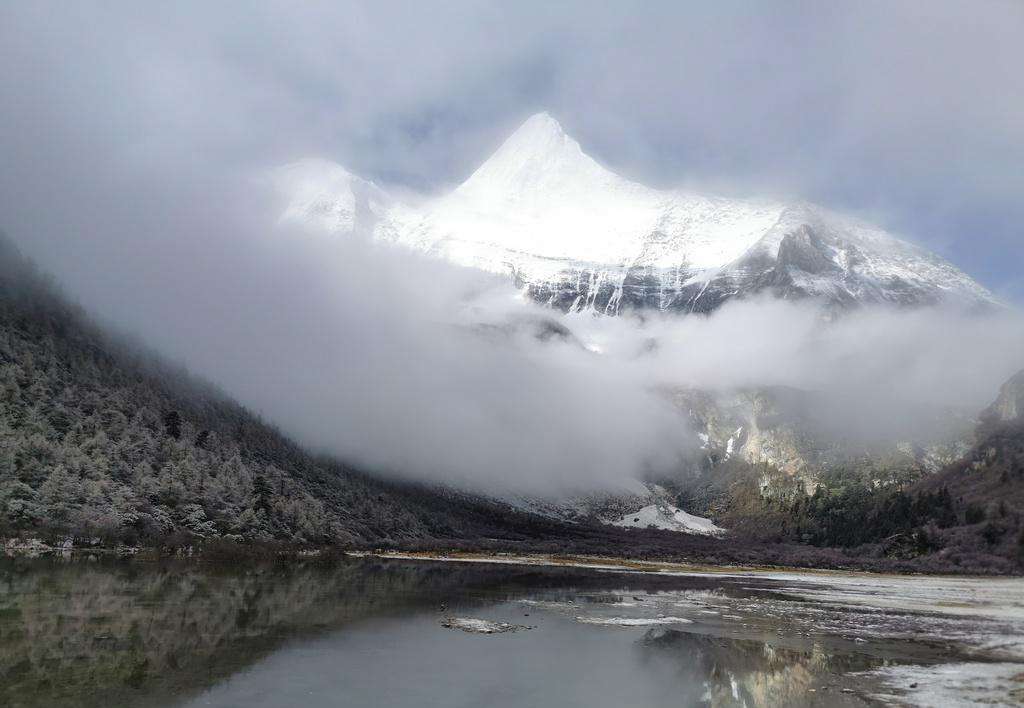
99, 438
967, 514
789, 431
577, 236
990, 476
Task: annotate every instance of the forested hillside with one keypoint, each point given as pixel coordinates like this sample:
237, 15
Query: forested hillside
99, 438
969, 515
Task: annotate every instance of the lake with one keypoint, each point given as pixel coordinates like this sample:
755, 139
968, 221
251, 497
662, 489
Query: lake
385, 632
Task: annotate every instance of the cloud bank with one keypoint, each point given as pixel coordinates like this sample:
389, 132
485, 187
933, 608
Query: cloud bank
129, 132
906, 113
414, 367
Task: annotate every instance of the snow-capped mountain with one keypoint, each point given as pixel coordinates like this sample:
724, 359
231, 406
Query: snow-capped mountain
577, 236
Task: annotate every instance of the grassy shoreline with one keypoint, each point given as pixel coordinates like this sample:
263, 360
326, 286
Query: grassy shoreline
632, 565
233, 552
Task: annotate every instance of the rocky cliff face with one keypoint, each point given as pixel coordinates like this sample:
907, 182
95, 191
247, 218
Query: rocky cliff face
780, 430
1009, 406
778, 436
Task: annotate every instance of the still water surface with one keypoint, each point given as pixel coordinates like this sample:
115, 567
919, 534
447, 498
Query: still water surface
370, 632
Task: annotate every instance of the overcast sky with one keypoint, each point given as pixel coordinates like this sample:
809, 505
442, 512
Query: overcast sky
909, 113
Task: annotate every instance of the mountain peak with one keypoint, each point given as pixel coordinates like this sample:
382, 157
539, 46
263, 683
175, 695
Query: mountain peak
540, 127
537, 157
578, 236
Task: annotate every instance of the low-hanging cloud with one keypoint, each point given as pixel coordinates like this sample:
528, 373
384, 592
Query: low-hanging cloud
412, 366
881, 373
129, 132
407, 365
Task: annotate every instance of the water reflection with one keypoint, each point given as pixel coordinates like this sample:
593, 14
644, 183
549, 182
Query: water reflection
98, 634
755, 673
368, 632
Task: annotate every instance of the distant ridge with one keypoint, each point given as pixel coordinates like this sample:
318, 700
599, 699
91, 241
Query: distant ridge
577, 236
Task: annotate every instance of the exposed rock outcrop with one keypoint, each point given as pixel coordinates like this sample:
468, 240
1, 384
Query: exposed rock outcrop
1009, 406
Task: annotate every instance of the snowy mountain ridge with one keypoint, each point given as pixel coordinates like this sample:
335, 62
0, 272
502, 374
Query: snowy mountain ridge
577, 236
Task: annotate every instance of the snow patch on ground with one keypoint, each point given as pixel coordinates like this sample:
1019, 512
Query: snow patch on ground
633, 621
480, 626
669, 518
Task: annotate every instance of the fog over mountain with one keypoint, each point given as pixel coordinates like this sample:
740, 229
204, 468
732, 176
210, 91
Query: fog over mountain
415, 367
464, 352
420, 368
134, 169
903, 115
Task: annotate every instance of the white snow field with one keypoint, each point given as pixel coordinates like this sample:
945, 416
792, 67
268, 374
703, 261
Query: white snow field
669, 518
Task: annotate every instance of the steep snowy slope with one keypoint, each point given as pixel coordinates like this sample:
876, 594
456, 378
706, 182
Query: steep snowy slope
540, 206
579, 237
